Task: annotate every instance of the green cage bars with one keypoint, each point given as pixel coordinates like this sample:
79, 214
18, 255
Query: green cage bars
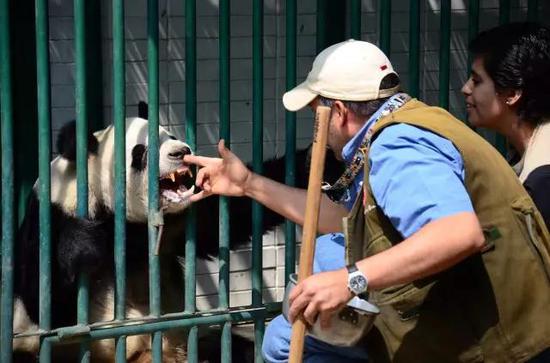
223, 316
8, 217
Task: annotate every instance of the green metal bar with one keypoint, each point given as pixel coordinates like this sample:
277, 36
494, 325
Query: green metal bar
257, 160
81, 155
355, 19
414, 48
444, 53
146, 327
503, 18
153, 167
44, 179
473, 29
473, 26
226, 342
290, 132
119, 117
224, 104
504, 11
191, 138
533, 10
8, 225
224, 231
81, 111
321, 34
385, 26
77, 332
257, 131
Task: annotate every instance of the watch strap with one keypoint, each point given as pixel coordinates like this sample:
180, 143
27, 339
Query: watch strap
352, 268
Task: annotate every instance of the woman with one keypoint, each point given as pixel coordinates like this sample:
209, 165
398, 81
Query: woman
509, 92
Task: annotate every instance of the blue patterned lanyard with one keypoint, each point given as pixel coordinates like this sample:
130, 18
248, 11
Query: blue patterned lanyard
337, 191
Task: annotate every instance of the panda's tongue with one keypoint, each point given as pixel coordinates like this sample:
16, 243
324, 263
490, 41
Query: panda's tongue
179, 196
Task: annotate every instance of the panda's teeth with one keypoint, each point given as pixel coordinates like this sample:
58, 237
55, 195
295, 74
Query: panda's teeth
173, 177
185, 171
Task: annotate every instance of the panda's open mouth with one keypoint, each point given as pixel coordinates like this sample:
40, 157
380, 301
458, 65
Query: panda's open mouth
177, 186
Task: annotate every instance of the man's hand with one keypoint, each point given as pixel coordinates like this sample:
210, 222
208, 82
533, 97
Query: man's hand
320, 296
226, 176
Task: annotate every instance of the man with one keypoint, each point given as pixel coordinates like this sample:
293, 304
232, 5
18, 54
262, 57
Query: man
457, 259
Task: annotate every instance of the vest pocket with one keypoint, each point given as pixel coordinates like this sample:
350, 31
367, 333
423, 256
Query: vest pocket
530, 226
406, 300
376, 245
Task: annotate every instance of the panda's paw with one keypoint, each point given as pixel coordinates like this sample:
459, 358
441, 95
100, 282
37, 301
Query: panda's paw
87, 260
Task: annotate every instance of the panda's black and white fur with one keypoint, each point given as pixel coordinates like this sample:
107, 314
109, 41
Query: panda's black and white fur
86, 244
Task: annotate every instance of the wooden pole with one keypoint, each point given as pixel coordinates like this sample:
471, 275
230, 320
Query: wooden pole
313, 201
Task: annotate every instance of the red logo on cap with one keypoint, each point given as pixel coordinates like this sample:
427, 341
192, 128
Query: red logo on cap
383, 67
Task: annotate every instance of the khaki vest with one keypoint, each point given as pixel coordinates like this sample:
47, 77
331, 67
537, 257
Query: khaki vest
492, 307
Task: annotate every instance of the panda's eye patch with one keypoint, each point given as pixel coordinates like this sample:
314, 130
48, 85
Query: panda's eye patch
139, 159
179, 154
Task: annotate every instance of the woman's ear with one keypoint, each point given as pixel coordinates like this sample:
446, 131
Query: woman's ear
513, 97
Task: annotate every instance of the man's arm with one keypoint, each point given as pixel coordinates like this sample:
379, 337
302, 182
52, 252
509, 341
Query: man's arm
229, 176
437, 246
291, 203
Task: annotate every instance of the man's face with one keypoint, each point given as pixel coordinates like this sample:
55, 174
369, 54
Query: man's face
335, 139
484, 105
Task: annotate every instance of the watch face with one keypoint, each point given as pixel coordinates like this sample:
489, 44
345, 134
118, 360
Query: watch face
358, 284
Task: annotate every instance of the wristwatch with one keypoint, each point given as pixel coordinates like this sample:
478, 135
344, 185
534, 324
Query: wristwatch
357, 282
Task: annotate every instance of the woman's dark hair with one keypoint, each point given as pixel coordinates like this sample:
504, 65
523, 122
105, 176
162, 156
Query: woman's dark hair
517, 57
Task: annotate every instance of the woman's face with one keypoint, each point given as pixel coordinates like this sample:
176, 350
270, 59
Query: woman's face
484, 105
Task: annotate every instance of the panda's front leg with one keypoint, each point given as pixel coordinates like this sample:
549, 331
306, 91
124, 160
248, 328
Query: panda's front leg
82, 247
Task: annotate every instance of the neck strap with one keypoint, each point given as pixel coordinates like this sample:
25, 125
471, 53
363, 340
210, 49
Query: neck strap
337, 191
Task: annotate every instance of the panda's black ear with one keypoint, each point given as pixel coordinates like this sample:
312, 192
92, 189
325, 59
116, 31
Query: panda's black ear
66, 142
143, 110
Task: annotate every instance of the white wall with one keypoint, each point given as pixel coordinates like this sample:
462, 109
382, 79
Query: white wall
172, 83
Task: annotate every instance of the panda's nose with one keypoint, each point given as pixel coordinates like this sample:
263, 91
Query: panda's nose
180, 153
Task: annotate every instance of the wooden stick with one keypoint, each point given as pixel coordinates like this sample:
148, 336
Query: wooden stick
313, 201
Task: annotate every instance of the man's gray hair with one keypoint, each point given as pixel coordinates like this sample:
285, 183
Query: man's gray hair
366, 109
363, 109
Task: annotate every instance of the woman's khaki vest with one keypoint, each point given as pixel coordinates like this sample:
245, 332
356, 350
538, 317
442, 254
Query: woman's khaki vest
492, 307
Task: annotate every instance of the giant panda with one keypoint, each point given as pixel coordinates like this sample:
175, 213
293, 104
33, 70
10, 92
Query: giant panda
86, 244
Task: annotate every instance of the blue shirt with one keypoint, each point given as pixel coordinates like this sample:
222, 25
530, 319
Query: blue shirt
416, 176
349, 151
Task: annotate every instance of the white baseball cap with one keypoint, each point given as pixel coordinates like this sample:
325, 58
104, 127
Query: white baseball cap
347, 71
